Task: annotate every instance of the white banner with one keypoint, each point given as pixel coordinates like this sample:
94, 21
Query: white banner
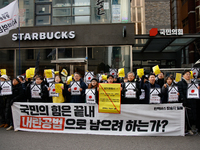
6, 88
134, 120
9, 18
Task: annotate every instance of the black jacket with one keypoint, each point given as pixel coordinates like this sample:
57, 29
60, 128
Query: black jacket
17, 94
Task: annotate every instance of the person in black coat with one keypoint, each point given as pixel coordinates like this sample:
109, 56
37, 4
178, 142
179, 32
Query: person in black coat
169, 82
44, 91
190, 104
131, 77
83, 86
94, 85
160, 80
147, 86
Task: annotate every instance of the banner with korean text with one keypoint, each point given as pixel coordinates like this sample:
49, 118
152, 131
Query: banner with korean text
134, 120
9, 18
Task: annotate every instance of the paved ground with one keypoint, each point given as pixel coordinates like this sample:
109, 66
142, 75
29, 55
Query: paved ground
11, 140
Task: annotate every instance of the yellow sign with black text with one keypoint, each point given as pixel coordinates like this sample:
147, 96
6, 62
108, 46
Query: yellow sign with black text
109, 98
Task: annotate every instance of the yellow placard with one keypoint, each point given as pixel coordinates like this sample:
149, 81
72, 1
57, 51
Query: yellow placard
191, 75
56, 72
64, 72
178, 77
156, 70
32, 72
69, 79
3, 71
121, 72
109, 98
48, 73
58, 87
104, 77
28, 75
140, 72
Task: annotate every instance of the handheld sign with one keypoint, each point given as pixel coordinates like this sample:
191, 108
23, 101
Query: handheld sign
130, 87
104, 77
6, 88
140, 72
191, 75
154, 98
64, 72
48, 73
121, 72
178, 77
75, 88
193, 91
156, 70
52, 76
58, 87
142, 96
113, 71
173, 94
35, 91
90, 96
69, 79
52, 92
195, 72
32, 72
88, 77
3, 71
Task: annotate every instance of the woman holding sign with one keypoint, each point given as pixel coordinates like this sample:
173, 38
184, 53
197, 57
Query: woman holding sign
94, 93
59, 90
185, 97
169, 91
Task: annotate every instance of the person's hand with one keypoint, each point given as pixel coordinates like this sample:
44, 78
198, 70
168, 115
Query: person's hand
198, 87
98, 89
120, 88
69, 89
62, 87
80, 89
165, 85
49, 89
178, 94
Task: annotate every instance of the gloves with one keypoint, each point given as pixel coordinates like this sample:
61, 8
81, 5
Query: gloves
160, 95
41, 94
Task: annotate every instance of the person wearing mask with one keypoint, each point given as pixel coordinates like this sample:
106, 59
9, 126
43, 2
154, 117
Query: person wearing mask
44, 93
61, 97
17, 96
147, 86
190, 104
78, 98
160, 80
131, 79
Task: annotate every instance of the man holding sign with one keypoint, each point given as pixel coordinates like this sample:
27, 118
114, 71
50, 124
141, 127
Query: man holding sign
77, 89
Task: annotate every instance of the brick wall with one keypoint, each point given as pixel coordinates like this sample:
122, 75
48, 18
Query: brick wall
157, 14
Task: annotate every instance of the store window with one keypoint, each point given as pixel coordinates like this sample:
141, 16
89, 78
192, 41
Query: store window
71, 53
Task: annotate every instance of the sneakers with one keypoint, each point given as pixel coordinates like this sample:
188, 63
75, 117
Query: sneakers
2, 125
6, 125
9, 128
189, 132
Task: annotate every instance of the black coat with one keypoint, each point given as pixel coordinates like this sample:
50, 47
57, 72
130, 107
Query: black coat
17, 93
131, 100
165, 94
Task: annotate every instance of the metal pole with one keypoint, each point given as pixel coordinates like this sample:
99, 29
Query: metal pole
19, 42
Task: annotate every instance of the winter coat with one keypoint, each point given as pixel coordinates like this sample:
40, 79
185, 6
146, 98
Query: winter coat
131, 100
164, 92
17, 94
79, 98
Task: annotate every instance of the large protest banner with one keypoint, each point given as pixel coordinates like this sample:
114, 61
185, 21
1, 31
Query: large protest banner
109, 98
134, 120
9, 18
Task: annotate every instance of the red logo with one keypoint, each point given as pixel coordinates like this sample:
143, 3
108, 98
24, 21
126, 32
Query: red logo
89, 78
153, 32
90, 97
194, 73
54, 90
75, 88
192, 91
113, 73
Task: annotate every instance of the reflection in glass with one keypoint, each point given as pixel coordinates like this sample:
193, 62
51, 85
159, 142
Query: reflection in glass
80, 2
43, 20
43, 9
61, 3
61, 20
81, 20
81, 11
61, 11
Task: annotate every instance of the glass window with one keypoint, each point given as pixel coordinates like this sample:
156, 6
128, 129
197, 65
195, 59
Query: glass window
61, 11
30, 54
81, 20
81, 11
43, 9
43, 0
71, 53
43, 20
62, 20
64, 52
80, 2
61, 3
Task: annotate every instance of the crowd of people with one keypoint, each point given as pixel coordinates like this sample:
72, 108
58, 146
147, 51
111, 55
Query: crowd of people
21, 92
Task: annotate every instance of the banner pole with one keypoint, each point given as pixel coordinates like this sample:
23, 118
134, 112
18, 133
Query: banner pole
19, 41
